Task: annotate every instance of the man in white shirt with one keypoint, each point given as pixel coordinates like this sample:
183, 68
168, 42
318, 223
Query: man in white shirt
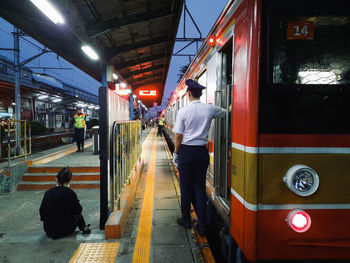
191, 155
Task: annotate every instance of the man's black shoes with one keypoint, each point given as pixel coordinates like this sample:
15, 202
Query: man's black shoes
185, 223
86, 230
200, 229
77, 151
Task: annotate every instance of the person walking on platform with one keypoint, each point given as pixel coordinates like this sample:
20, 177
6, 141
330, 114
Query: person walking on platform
79, 127
191, 155
160, 126
60, 209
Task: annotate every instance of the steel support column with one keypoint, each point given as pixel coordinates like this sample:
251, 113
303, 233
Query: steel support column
104, 146
17, 87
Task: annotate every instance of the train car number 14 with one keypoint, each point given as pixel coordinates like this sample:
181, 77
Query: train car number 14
300, 30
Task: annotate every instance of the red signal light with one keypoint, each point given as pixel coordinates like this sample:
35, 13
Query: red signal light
211, 41
299, 220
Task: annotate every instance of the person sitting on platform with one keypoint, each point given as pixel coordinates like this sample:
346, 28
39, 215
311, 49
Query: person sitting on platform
60, 209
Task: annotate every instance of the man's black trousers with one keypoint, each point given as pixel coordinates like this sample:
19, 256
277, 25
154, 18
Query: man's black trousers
193, 164
79, 137
160, 130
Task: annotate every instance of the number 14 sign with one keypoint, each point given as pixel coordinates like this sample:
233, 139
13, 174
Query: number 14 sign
300, 30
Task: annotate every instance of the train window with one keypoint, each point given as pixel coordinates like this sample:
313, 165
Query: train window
202, 79
310, 42
305, 68
174, 112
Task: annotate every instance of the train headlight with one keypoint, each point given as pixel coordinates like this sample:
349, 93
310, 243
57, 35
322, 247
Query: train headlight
302, 180
298, 220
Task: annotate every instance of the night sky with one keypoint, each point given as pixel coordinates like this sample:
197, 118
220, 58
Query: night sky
204, 12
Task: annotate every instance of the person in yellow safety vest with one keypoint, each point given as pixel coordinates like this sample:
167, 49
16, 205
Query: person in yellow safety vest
79, 126
160, 126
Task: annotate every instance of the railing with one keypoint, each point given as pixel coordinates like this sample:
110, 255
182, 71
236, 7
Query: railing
125, 150
8, 130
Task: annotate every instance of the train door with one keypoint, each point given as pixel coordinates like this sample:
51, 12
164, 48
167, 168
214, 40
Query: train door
222, 141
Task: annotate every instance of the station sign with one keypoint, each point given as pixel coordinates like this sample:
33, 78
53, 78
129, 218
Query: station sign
148, 92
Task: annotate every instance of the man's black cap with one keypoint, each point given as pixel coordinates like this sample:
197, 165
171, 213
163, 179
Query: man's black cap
194, 85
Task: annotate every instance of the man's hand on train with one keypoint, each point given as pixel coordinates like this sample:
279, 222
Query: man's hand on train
175, 159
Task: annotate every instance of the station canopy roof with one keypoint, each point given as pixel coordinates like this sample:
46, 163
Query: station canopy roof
135, 36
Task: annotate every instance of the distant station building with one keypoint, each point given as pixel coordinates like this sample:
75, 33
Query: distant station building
43, 97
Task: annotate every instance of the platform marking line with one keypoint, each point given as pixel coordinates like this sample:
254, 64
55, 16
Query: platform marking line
60, 151
58, 155
96, 252
50, 154
148, 137
143, 239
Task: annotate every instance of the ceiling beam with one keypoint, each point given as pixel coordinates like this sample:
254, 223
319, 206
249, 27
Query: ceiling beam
100, 28
135, 62
137, 72
142, 44
145, 78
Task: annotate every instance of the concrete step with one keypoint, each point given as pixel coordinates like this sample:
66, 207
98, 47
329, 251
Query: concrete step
56, 169
47, 185
41, 177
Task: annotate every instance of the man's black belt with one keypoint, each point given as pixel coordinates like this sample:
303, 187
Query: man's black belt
193, 146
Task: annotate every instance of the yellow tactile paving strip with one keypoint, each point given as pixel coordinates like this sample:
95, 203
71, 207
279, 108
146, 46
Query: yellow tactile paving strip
95, 253
58, 155
143, 240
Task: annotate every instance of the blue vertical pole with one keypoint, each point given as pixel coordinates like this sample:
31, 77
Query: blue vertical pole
104, 75
131, 106
140, 113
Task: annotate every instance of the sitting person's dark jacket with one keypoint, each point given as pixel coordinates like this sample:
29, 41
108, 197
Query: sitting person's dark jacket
60, 209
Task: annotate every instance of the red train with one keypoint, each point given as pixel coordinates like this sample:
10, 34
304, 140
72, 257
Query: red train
279, 173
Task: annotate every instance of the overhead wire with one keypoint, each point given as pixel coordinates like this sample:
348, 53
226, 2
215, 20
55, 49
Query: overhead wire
60, 76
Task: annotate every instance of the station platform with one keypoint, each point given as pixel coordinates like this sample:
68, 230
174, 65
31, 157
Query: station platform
151, 233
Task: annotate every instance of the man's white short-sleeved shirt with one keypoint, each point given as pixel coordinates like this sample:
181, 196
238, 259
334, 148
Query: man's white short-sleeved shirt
193, 122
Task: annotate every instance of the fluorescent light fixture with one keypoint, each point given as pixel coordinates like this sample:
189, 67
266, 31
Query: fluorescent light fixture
97, 107
139, 101
91, 107
90, 52
13, 103
123, 85
56, 100
43, 97
49, 10
115, 76
128, 91
134, 96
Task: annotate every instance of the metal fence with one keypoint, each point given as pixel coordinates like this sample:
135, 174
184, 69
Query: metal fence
125, 150
15, 149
